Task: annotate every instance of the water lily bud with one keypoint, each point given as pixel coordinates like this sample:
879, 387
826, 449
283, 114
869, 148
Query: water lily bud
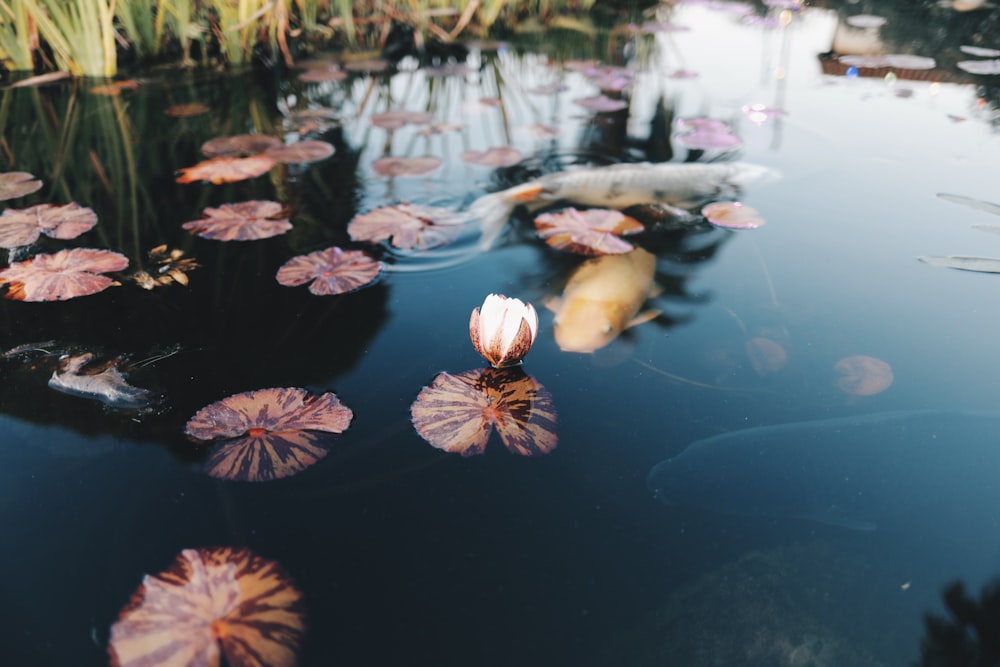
503, 330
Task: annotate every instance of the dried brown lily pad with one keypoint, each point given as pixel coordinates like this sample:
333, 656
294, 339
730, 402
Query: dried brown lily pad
457, 413
245, 221
171, 267
591, 232
239, 145
301, 152
66, 274
212, 601
226, 169
408, 225
20, 227
15, 184
114, 89
187, 110
330, 271
269, 433
406, 166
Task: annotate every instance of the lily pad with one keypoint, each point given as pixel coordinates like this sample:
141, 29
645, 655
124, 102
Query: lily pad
245, 221
705, 140
66, 274
212, 601
407, 225
300, 152
330, 271
496, 156
591, 232
406, 166
457, 413
861, 375
20, 227
187, 110
239, 145
601, 104
226, 169
269, 433
323, 75
393, 120
15, 184
732, 215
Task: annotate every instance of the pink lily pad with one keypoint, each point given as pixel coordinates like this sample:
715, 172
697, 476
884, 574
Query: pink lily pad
15, 184
19, 227
540, 131
210, 602
393, 120
702, 124
331, 74
239, 145
601, 104
732, 215
66, 274
457, 413
367, 66
245, 221
269, 433
862, 375
406, 166
300, 152
495, 156
226, 169
407, 225
706, 140
591, 232
330, 271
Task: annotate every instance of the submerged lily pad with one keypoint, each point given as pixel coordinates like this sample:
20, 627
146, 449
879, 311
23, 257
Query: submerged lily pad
269, 433
457, 413
330, 271
19, 227
212, 601
591, 232
15, 184
862, 375
408, 226
245, 221
66, 274
406, 166
300, 152
226, 169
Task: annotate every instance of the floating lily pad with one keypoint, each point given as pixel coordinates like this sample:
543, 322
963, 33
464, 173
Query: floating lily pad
330, 271
601, 104
367, 66
210, 601
407, 225
226, 169
245, 221
323, 75
457, 413
540, 131
732, 215
19, 227
705, 140
15, 184
594, 231
300, 152
187, 110
66, 274
766, 356
269, 433
393, 120
862, 375
496, 156
239, 145
116, 88
406, 166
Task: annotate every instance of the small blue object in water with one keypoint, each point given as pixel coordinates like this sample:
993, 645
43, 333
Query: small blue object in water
852, 72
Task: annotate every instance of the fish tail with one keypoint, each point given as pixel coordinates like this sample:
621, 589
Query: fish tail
494, 210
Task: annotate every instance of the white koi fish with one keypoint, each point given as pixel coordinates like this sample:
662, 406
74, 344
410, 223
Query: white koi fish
602, 298
619, 186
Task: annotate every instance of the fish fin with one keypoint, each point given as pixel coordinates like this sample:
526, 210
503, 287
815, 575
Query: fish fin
493, 211
643, 317
553, 303
655, 290
525, 193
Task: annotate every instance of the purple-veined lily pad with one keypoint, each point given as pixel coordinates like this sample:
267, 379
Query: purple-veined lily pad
702, 124
591, 232
300, 152
393, 120
732, 215
239, 145
268, 433
601, 104
861, 375
408, 226
495, 156
330, 271
210, 602
19, 227
15, 184
226, 169
244, 221
457, 413
406, 166
66, 274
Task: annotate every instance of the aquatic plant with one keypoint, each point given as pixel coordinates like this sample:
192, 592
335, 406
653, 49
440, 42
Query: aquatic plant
861, 375
211, 601
407, 226
503, 329
457, 413
406, 166
21, 227
66, 274
732, 215
330, 271
244, 221
592, 231
14, 184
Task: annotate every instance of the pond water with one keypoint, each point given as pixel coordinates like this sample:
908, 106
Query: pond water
410, 555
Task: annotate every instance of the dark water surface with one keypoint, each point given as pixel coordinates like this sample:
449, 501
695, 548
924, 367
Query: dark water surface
409, 555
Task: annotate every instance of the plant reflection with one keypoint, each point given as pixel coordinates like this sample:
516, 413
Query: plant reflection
968, 637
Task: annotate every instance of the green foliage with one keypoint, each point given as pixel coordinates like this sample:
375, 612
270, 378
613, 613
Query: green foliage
15, 35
